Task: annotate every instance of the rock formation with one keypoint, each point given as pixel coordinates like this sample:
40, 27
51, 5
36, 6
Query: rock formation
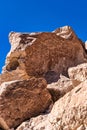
58, 89
20, 100
41, 54
68, 113
43, 83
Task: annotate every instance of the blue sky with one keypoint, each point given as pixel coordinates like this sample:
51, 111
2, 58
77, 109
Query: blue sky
40, 15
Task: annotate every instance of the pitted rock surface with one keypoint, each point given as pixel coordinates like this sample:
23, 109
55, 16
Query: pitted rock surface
43, 85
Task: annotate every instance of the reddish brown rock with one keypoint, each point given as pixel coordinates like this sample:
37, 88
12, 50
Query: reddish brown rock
13, 75
45, 54
20, 100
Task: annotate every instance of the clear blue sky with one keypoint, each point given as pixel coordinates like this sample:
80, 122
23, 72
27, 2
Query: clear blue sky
40, 15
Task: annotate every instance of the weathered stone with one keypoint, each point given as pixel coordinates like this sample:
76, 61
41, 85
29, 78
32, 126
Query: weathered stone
61, 87
82, 127
66, 32
78, 73
45, 54
21, 100
71, 111
23, 94
37, 122
68, 113
13, 75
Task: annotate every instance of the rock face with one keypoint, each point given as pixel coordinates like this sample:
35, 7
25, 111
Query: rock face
20, 100
43, 83
68, 113
58, 89
78, 73
45, 54
71, 111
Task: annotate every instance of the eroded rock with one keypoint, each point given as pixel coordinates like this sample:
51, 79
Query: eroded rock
45, 54
20, 100
68, 113
13, 75
24, 95
61, 87
78, 73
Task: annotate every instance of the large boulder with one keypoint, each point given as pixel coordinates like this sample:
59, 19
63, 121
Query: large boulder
45, 54
21, 100
68, 113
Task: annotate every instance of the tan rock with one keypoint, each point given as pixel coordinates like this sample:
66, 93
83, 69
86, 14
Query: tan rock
21, 100
86, 45
82, 127
68, 113
71, 110
37, 123
78, 73
61, 87
66, 32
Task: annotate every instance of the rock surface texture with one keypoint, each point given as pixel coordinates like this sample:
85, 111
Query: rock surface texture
45, 54
78, 73
43, 85
20, 100
68, 113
